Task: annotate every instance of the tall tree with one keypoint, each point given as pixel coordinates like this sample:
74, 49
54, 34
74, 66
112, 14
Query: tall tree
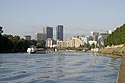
117, 37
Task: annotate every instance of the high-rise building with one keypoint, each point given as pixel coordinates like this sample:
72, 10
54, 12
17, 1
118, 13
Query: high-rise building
27, 37
40, 36
59, 32
48, 31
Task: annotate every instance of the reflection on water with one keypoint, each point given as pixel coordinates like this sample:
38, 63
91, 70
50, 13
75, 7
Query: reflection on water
58, 68
113, 62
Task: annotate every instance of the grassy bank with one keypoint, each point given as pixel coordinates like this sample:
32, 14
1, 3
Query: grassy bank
118, 50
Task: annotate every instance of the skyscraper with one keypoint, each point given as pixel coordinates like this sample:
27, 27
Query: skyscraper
27, 37
40, 36
59, 32
48, 31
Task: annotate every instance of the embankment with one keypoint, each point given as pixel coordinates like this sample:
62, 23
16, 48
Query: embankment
114, 50
121, 74
118, 50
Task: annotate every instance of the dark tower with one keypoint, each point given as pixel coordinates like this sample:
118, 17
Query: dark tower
59, 32
48, 31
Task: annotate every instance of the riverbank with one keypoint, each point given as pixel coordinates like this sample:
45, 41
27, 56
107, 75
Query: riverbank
118, 50
121, 74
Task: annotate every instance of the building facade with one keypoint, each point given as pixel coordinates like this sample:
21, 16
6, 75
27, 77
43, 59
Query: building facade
74, 42
50, 42
40, 36
48, 31
59, 32
61, 44
84, 39
27, 37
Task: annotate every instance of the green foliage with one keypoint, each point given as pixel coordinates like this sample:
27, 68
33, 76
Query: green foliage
41, 44
9, 43
93, 45
6, 45
117, 37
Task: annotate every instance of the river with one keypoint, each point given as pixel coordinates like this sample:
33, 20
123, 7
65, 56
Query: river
58, 68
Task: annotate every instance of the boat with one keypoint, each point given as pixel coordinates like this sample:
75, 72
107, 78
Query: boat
36, 50
31, 50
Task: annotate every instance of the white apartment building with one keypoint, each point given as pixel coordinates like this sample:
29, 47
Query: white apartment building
74, 42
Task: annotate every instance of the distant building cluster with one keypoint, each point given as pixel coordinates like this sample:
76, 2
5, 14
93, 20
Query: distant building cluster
95, 38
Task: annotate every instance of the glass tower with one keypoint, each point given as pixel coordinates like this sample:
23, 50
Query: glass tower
59, 32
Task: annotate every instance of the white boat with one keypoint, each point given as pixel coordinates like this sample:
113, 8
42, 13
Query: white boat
31, 50
36, 50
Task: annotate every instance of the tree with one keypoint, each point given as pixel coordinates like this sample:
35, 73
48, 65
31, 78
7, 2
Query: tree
93, 45
41, 44
117, 37
6, 45
1, 31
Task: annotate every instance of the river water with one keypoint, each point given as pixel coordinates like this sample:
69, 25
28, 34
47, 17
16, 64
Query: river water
58, 68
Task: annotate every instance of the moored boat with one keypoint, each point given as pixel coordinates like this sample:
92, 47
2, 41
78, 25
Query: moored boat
31, 50
36, 50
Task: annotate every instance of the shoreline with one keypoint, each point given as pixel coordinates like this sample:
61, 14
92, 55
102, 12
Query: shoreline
117, 51
121, 71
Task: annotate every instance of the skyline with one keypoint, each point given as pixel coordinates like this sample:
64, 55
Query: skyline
77, 16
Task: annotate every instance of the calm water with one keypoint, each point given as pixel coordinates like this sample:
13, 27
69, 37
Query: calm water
58, 68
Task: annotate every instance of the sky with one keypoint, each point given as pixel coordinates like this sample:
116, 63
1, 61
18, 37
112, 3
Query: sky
79, 17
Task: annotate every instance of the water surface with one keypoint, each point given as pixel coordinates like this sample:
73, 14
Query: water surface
58, 68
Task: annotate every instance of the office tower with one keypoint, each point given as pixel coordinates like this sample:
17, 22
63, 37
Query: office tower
40, 36
27, 37
48, 31
59, 32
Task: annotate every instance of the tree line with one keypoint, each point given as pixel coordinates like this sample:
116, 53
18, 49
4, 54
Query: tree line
117, 37
9, 43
